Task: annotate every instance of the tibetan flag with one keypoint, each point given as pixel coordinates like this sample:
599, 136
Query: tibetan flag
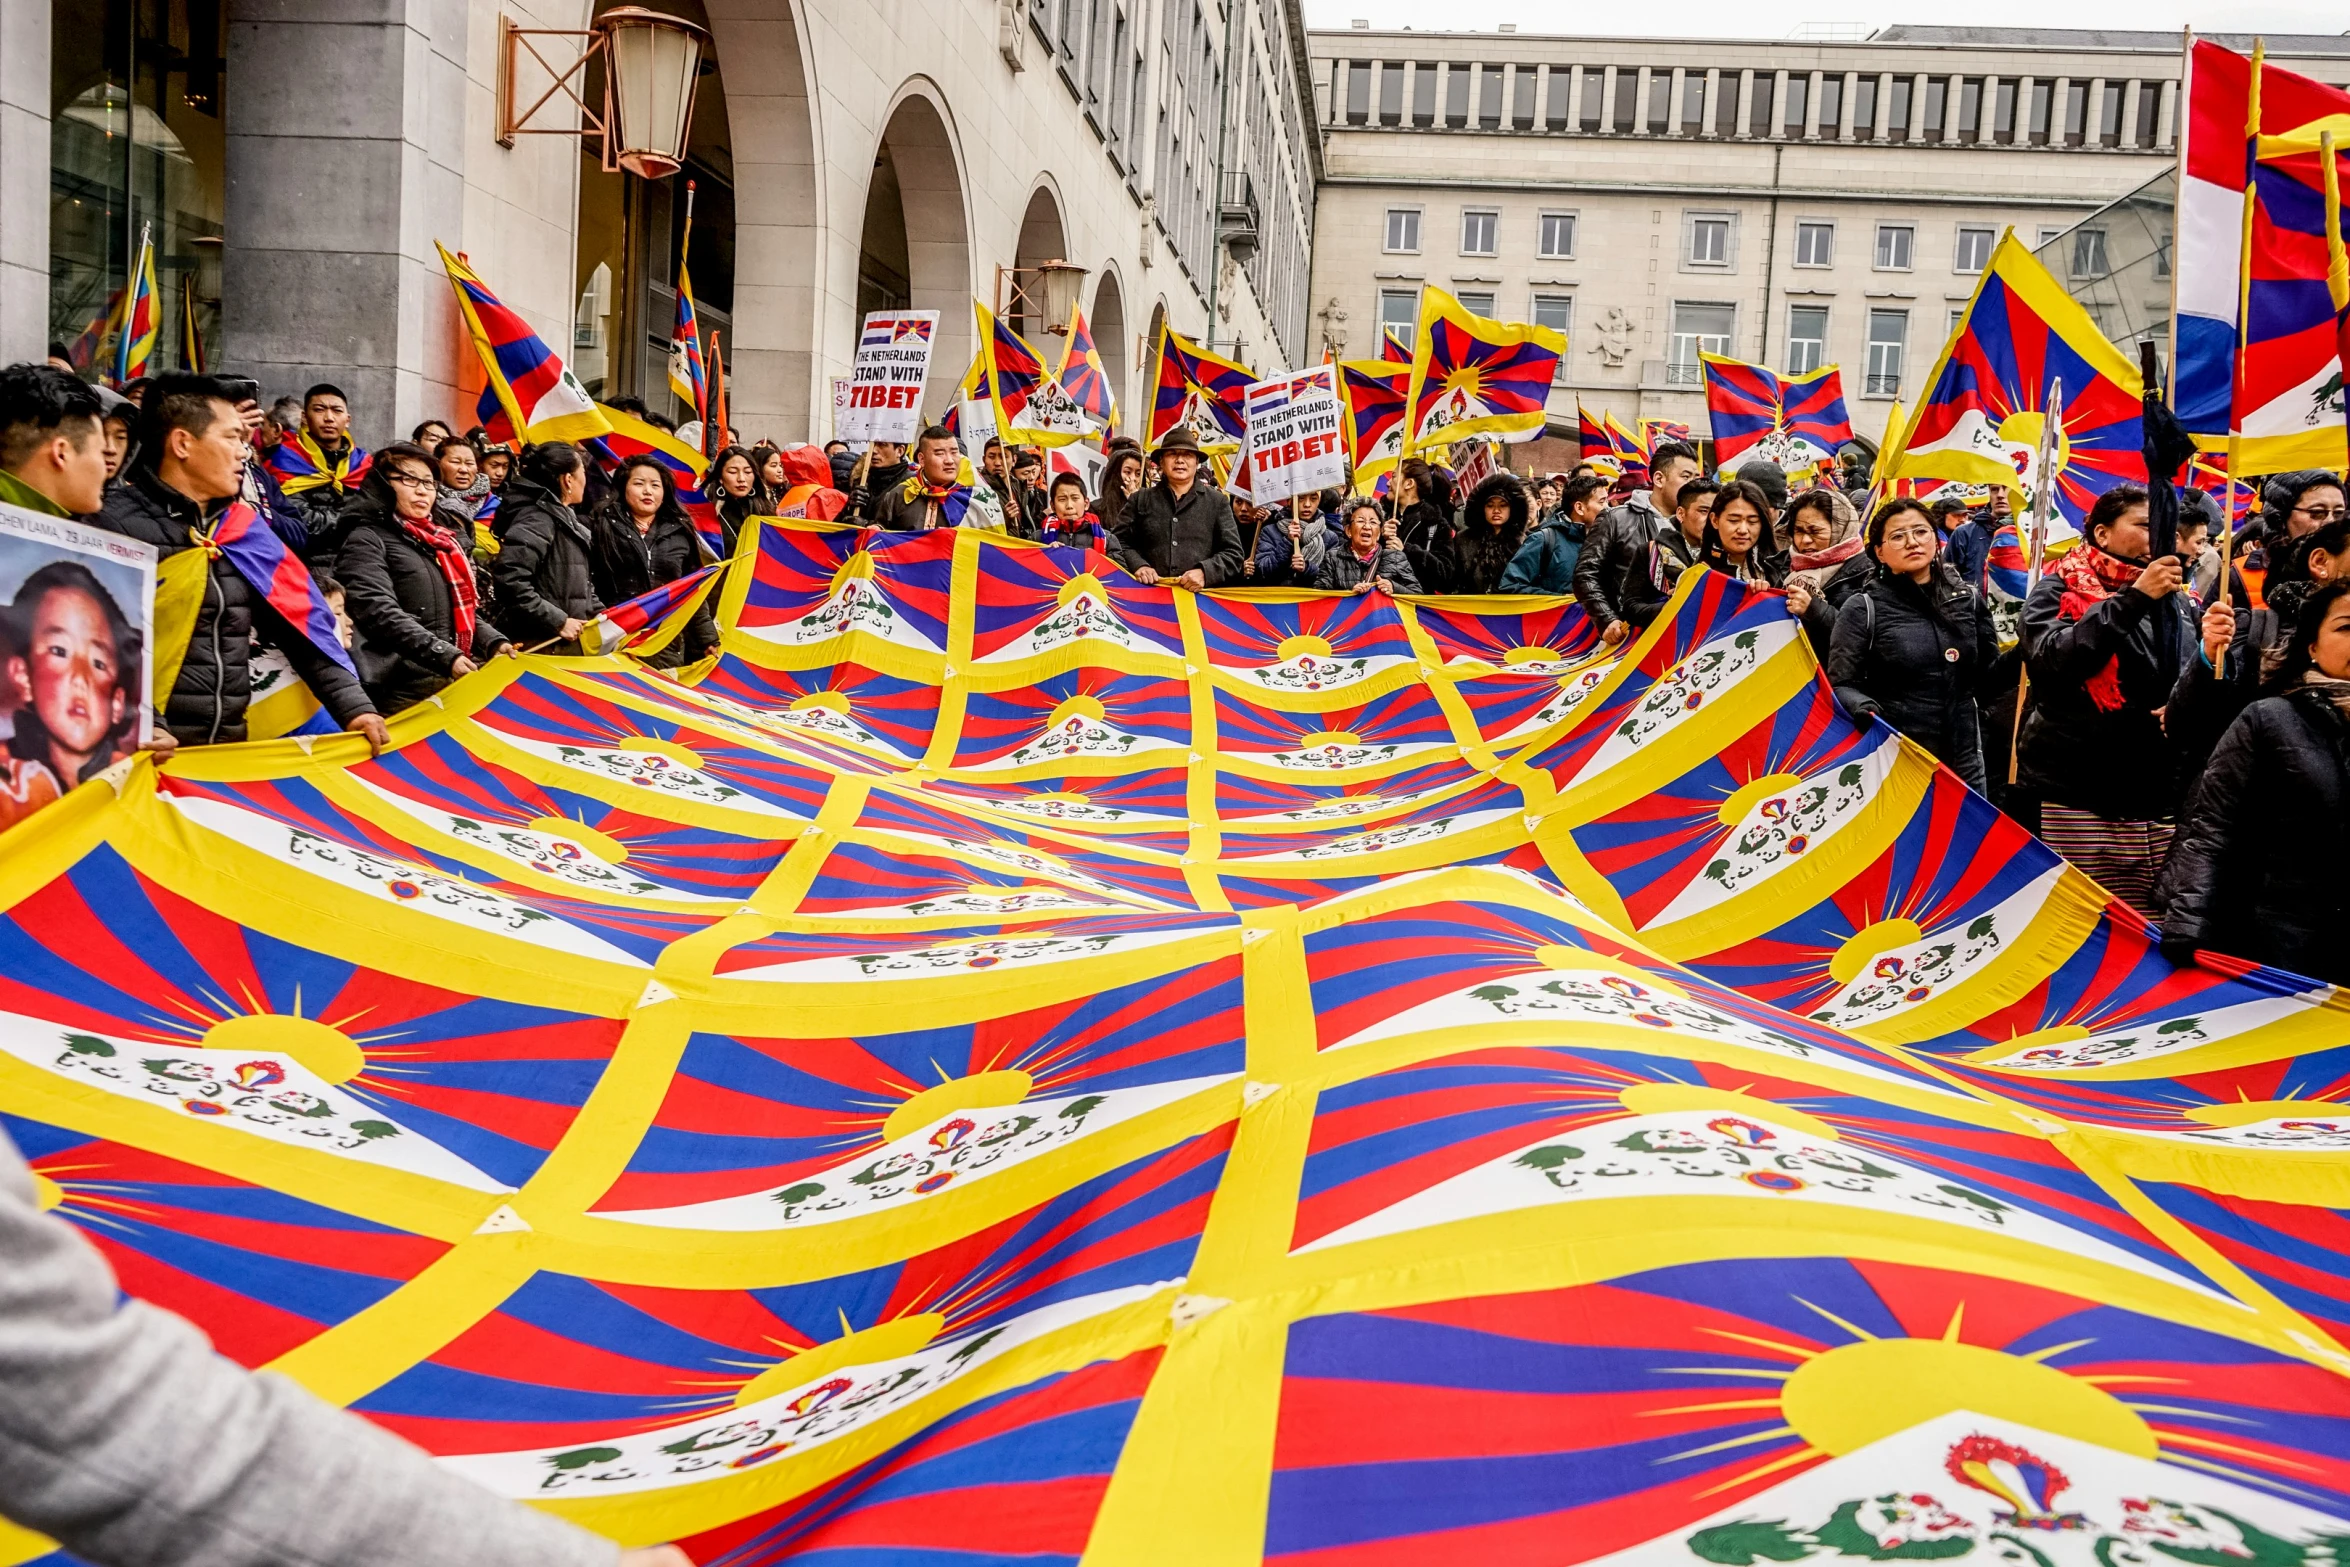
191, 340
1201, 388
1655, 430
1591, 435
1370, 397
974, 387
1085, 377
1393, 348
1797, 421
1980, 418
299, 465
627, 436
2250, 128
628, 622
688, 377
1475, 376
83, 350
142, 320
1629, 450
532, 396
278, 575
2337, 265
1031, 409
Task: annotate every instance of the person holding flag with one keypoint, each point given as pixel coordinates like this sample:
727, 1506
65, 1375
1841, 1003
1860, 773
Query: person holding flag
644, 540
936, 495
406, 566
182, 494
319, 467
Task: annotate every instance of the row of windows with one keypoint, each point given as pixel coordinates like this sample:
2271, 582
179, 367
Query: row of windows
1701, 326
1803, 105
1708, 241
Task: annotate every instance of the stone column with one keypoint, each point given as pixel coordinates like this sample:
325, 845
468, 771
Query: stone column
345, 123
24, 181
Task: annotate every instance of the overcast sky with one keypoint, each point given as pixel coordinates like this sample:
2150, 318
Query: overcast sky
1781, 18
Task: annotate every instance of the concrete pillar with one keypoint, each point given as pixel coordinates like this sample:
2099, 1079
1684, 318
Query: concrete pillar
2130, 101
344, 165
1607, 102
1884, 117
2093, 113
1987, 112
1743, 126
1777, 126
24, 181
1640, 91
1574, 97
1811, 105
1676, 93
2166, 115
1844, 107
2059, 101
1713, 101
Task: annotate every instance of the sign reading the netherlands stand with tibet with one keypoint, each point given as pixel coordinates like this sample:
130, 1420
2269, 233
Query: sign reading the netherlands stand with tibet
1294, 444
885, 387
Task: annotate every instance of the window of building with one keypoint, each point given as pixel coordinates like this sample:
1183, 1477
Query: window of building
1974, 249
2042, 92
1709, 239
1888, 334
1894, 244
1798, 99
1594, 97
1477, 302
2048, 231
1831, 103
1693, 104
1403, 230
1957, 314
1556, 311
2076, 112
1726, 106
1456, 95
1399, 312
1358, 92
1391, 93
1479, 226
1758, 119
2149, 110
1815, 244
1807, 338
1660, 101
1522, 88
1970, 109
1937, 101
1697, 328
2003, 111
1424, 94
1489, 96
2089, 253
1897, 110
1557, 236
1559, 112
2162, 255
1627, 118
2109, 116
1864, 108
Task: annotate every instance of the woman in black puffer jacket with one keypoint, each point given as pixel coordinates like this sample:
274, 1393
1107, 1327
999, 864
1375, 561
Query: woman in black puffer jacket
1493, 525
546, 591
1914, 643
2257, 867
644, 539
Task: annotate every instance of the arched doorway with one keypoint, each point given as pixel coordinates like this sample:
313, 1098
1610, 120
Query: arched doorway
1042, 239
1108, 320
778, 216
915, 250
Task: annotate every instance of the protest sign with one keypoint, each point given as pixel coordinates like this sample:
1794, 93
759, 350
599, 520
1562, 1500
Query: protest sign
885, 385
1294, 442
975, 424
76, 608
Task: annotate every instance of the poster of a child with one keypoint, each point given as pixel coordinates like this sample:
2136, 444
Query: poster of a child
76, 605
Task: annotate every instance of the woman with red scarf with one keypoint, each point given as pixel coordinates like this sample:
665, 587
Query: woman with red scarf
2106, 632
406, 566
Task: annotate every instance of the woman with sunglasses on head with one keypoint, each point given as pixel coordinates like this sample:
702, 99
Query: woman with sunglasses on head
1912, 646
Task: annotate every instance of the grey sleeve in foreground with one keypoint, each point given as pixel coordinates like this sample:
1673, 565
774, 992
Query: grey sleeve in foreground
128, 1441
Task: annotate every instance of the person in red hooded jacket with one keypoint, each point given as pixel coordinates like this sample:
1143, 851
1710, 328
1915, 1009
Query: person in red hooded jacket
809, 493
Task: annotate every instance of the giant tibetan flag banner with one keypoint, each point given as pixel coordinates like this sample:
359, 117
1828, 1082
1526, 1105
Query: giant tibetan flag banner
2250, 189
1797, 421
1475, 376
1980, 417
530, 395
1199, 387
1006, 1065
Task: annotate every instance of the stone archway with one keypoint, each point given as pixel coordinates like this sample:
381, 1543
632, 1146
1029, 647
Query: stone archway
914, 251
1043, 238
771, 362
1108, 320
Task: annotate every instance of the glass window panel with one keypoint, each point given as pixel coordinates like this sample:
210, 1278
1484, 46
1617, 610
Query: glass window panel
1594, 95
1807, 338
1358, 91
1970, 108
1477, 232
1403, 228
1627, 116
1399, 312
1489, 95
1798, 95
1897, 112
1893, 246
1709, 242
1831, 103
1558, 236
1660, 101
1864, 107
1522, 97
1456, 95
1693, 103
1391, 92
1697, 328
1424, 95
1888, 335
1815, 244
1974, 249
1556, 311
2003, 111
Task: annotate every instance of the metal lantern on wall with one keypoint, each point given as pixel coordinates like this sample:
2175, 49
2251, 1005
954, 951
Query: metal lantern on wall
652, 62
1062, 283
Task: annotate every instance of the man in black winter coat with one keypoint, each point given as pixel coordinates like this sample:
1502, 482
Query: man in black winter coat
1180, 529
1617, 544
191, 465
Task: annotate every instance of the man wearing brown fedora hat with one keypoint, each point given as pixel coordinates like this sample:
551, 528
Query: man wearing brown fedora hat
1179, 529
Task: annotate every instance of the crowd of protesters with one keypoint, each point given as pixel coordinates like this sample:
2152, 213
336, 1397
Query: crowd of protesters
2170, 724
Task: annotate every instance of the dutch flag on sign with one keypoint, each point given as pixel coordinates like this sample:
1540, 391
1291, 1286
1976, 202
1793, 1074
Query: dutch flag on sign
877, 335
